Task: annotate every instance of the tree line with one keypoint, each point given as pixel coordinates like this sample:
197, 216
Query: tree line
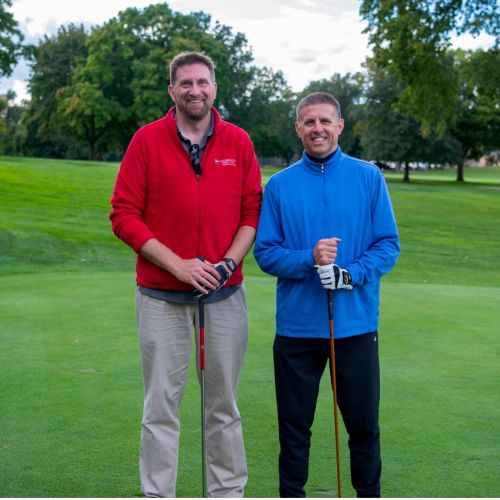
416, 101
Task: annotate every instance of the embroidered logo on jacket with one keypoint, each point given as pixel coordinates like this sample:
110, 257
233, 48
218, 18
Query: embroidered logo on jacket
226, 162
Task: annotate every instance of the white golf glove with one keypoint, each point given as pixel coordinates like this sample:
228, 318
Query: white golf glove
334, 277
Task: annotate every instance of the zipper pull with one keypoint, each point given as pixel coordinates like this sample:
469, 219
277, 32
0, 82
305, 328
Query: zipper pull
194, 156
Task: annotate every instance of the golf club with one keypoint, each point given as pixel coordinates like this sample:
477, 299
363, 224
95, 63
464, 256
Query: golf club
201, 320
334, 388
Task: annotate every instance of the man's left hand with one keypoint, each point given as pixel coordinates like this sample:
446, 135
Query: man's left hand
224, 275
334, 277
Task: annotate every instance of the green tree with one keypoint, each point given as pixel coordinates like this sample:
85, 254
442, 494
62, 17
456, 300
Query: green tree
477, 127
10, 117
266, 111
123, 82
236, 74
11, 39
88, 113
411, 39
348, 90
52, 64
3, 113
389, 135
95, 104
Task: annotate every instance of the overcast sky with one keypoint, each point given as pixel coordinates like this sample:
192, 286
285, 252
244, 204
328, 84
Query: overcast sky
305, 39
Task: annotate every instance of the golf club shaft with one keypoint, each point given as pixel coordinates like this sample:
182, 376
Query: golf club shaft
202, 383
334, 388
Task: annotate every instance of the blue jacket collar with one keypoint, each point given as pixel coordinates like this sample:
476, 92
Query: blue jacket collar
318, 167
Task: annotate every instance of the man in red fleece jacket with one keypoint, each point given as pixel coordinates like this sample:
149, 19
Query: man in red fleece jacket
190, 185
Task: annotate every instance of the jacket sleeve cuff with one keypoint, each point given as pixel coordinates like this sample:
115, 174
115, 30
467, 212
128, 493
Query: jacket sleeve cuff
135, 234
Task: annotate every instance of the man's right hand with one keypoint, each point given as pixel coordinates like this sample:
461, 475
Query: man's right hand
325, 251
198, 273
201, 274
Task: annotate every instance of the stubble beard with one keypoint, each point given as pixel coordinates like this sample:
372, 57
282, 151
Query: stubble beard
194, 116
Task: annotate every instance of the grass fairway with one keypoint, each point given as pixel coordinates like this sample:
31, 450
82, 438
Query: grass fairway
71, 390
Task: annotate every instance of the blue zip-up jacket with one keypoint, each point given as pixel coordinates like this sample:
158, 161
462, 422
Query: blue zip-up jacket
308, 201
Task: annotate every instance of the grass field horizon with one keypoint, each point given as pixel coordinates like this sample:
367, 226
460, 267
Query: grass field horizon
71, 389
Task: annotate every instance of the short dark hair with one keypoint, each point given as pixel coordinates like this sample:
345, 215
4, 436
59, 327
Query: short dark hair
185, 58
318, 98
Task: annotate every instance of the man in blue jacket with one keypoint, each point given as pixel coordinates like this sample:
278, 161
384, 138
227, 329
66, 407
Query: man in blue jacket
327, 224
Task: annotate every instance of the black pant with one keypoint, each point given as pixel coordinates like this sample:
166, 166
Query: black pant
298, 367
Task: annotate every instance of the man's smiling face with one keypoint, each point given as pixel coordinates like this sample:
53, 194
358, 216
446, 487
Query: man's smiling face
319, 128
193, 91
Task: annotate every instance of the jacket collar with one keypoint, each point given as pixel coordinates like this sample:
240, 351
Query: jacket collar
317, 167
218, 124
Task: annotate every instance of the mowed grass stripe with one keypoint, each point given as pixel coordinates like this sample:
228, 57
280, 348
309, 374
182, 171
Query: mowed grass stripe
55, 213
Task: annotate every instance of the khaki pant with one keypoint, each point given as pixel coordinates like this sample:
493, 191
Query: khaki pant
165, 334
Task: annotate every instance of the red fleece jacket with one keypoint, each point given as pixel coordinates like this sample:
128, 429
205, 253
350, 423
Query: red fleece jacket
157, 195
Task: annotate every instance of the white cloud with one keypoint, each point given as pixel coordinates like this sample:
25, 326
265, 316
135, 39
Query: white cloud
307, 45
42, 17
227, 9
20, 87
17, 82
305, 39
468, 42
